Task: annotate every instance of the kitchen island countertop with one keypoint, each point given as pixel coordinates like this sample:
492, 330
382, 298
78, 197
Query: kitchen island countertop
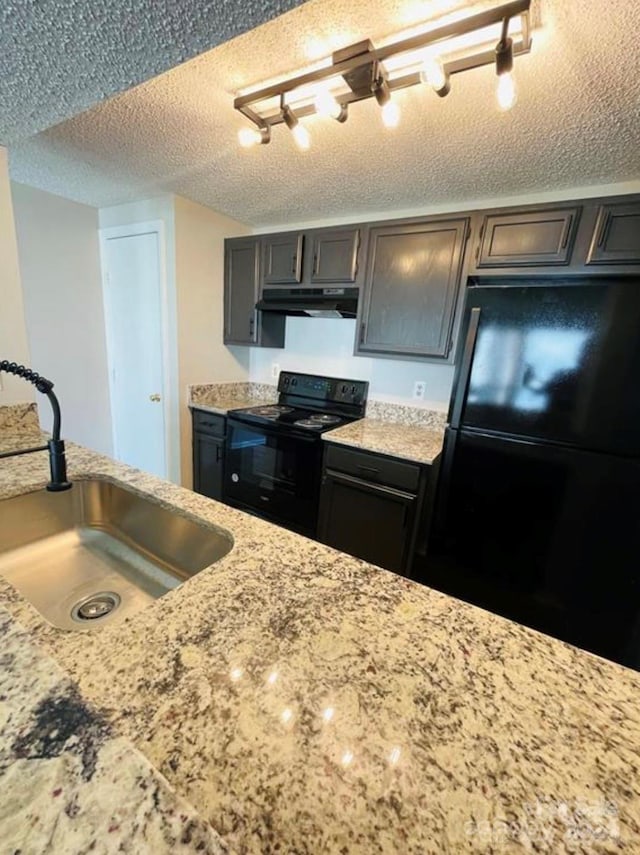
304, 701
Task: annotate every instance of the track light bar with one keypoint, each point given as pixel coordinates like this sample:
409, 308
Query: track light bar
362, 71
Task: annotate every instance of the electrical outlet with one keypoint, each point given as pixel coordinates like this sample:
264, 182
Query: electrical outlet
275, 370
419, 388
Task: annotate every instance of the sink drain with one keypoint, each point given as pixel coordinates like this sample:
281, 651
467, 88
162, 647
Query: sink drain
96, 606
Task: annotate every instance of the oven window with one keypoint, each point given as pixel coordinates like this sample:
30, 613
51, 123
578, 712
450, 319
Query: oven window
264, 460
274, 474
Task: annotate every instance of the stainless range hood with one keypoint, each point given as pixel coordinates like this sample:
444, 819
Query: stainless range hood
310, 302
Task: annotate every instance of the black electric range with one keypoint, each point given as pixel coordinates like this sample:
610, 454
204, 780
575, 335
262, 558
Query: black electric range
273, 455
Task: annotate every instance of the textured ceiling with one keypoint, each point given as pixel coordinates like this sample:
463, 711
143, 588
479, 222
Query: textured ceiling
577, 122
58, 57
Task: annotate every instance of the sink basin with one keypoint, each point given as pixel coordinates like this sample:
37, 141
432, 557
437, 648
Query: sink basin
98, 553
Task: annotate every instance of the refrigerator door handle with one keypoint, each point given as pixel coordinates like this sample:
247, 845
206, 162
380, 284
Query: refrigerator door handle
465, 367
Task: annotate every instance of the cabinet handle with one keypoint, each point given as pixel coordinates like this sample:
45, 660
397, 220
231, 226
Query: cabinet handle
604, 231
294, 265
315, 264
363, 329
565, 233
369, 469
252, 324
218, 454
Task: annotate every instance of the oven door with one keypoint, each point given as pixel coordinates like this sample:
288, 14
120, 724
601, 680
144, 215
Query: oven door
273, 473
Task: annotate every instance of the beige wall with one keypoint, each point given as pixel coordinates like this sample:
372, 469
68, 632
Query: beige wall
62, 292
13, 333
202, 357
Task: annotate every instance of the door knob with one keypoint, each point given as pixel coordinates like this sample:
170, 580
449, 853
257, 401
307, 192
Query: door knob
155, 398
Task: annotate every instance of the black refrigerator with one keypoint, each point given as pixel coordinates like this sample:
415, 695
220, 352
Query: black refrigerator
537, 511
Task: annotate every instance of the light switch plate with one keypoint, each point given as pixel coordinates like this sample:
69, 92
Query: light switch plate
275, 370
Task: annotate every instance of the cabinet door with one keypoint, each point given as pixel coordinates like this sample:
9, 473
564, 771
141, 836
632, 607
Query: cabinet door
283, 259
241, 285
528, 239
335, 256
208, 461
616, 238
411, 284
367, 520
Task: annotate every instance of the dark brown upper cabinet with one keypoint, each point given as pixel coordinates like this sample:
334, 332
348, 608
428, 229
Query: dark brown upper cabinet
528, 238
243, 324
334, 256
283, 259
411, 283
616, 237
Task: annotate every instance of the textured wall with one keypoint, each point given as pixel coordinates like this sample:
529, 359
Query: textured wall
13, 333
62, 289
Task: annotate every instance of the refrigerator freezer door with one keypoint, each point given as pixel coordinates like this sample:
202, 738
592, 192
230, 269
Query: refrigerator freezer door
558, 363
548, 536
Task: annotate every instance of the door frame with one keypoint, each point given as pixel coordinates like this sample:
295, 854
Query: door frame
167, 333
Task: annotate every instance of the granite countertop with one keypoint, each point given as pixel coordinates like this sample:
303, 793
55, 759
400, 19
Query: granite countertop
68, 782
222, 405
408, 442
14, 441
304, 701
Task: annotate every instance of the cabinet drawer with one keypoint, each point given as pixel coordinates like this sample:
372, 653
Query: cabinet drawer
373, 467
209, 423
528, 239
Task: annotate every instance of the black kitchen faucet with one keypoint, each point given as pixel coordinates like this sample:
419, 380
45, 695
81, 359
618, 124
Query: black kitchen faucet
55, 446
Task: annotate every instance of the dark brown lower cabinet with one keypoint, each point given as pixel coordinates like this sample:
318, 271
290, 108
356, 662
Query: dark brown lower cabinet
208, 454
370, 506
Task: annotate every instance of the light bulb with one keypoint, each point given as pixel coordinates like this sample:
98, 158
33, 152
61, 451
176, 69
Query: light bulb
327, 106
391, 114
248, 137
433, 73
301, 136
507, 95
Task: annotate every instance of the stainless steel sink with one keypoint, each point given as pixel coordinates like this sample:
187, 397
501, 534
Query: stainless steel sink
98, 553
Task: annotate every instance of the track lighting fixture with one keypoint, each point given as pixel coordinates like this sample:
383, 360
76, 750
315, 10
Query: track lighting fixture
328, 106
300, 133
362, 71
434, 74
248, 137
506, 91
382, 94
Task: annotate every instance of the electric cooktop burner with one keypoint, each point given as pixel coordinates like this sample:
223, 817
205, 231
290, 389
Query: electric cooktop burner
311, 423
324, 419
270, 412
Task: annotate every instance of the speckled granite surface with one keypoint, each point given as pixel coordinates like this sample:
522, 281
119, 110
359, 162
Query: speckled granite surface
304, 701
406, 441
16, 417
222, 397
19, 428
401, 414
68, 783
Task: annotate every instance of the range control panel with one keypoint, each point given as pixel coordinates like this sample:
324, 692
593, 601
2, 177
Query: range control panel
329, 390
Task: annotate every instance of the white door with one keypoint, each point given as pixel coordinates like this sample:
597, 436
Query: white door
134, 294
